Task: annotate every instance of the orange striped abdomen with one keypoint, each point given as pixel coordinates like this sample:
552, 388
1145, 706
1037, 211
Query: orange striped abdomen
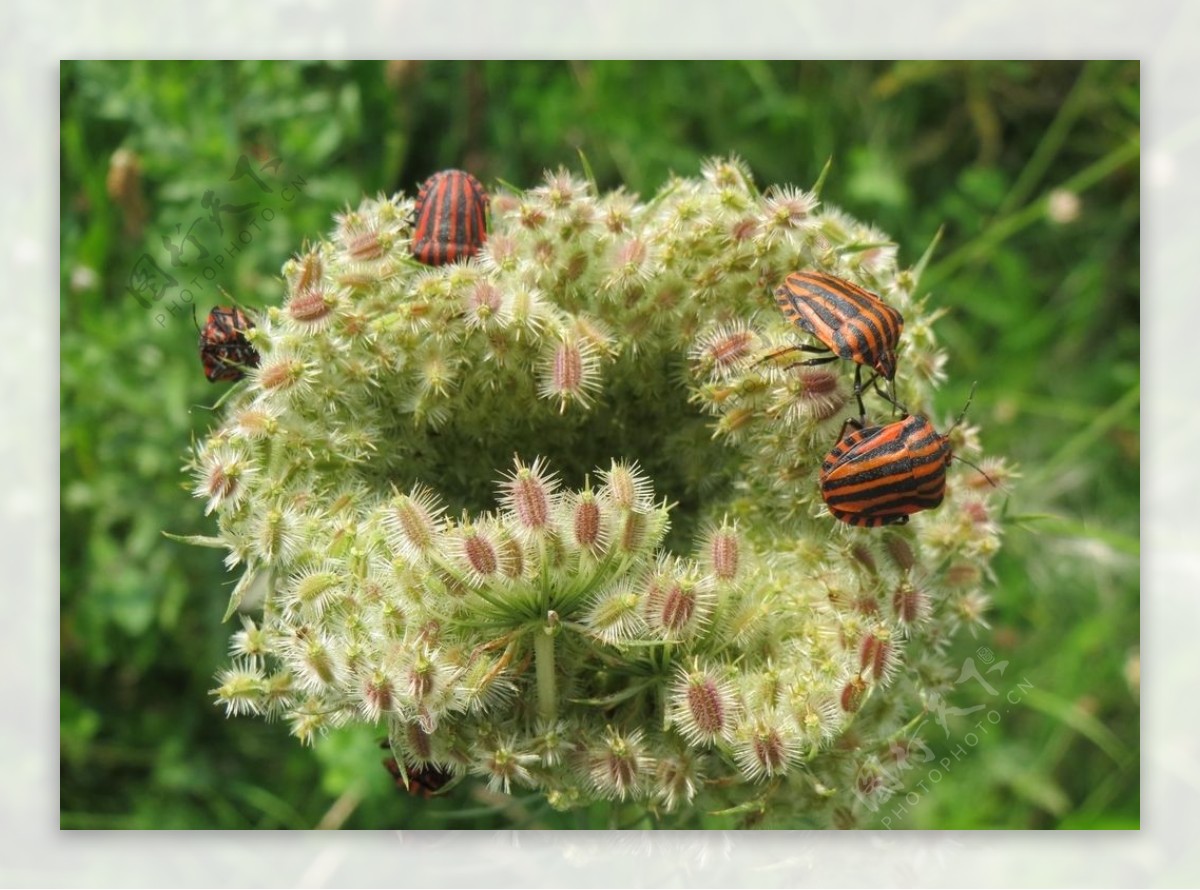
881, 475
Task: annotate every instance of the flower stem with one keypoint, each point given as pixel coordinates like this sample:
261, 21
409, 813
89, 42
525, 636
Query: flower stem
543, 656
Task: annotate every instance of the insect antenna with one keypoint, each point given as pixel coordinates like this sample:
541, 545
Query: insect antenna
992, 482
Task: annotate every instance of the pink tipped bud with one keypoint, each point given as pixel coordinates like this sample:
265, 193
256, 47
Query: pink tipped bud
910, 604
706, 707
786, 208
485, 305
282, 373
677, 600
504, 203
308, 270
220, 477
531, 216
766, 746
218, 485
900, 552
853, 694
479, 551
877, 656
528, 494
585, 523
862, 553
629, 267
743, 229
412, 523
420, 678
769, 751
619, 766
963, 574
628, 487
676, 608
310, 307
365, 246
722, 351
977, 513
499, 252
814, 394
633, 533
724, 554
569, 373
632, 251
702, 706
376, 696
866, 604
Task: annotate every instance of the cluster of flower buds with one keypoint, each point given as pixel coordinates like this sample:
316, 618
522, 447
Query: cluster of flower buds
543, 516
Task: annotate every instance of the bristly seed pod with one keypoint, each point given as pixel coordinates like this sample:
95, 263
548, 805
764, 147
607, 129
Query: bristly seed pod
723, 553
569, 373
528, 493
618, 766
703, 706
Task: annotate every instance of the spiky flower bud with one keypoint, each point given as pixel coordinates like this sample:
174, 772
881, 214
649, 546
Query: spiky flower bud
505, 765
619, 765
703, 706
722, 553
627, 487
413, 524
240, 689
570, 373
587, 522
529, 496
677, 778
878, 656
766, 745
220, 477
677, 599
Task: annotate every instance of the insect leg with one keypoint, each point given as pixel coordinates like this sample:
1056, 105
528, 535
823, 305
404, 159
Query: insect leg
800, 347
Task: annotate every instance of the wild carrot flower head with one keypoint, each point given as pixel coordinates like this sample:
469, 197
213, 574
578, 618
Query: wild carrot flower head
549, 514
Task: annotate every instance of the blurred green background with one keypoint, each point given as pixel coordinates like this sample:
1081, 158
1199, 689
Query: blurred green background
1032, 168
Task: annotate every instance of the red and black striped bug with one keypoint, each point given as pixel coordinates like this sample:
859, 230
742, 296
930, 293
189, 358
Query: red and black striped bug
224, 349
451, 208
881, 475
851, 323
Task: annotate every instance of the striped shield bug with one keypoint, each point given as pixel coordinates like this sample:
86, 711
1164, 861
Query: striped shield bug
851, 323
224, 349
880, 475
451, 206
